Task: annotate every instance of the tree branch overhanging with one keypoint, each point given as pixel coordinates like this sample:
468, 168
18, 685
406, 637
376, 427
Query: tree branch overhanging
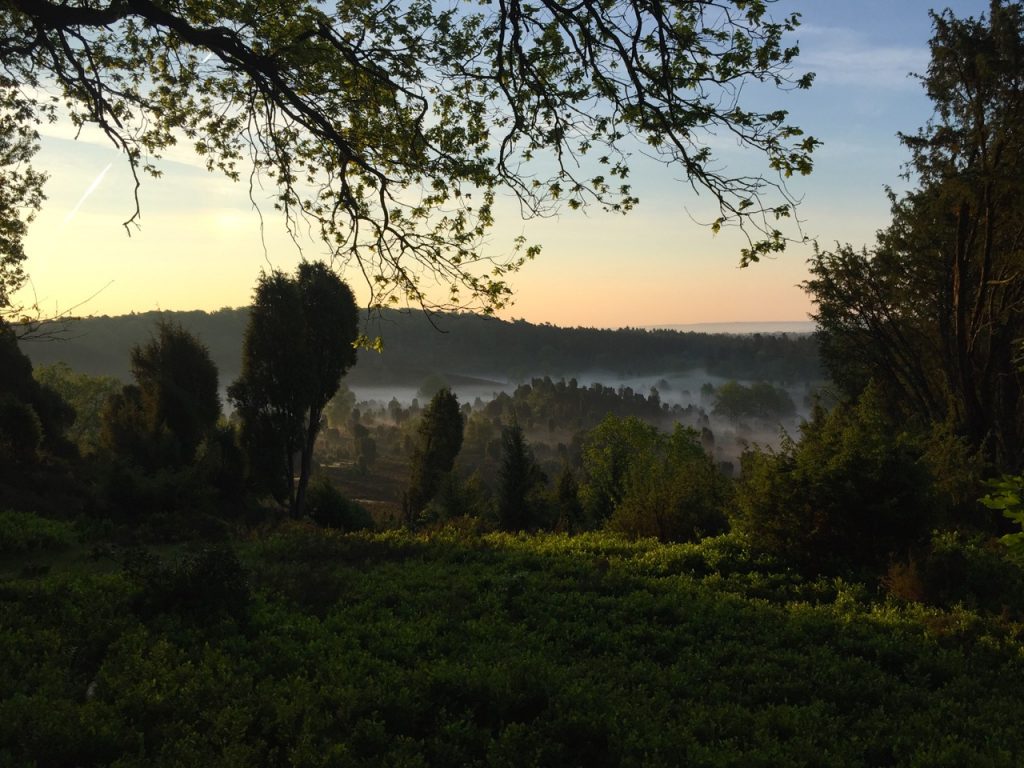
392, 127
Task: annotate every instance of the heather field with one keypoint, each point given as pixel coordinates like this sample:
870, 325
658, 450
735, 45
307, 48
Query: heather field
306, 647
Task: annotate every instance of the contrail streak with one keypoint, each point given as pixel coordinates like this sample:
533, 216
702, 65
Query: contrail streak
91, 188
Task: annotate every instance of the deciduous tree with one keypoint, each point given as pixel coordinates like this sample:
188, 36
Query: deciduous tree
391, 127
85, 394
646, 483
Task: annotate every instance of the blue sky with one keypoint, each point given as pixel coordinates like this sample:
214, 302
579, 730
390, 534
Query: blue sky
200, 244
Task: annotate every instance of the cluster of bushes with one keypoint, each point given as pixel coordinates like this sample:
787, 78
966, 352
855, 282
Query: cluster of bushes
863, 494
164, 456
630, 477
852, 492
203, 585
860, 494
157, 453
22, 532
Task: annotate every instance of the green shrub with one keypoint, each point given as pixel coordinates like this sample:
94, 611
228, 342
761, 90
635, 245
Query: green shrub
1008, 497
651, 484
459, 498
20, 429
675, 493
970, 570
129, 492
204, 584
27, 532
851, 494
329, 508
220, 462
446, 650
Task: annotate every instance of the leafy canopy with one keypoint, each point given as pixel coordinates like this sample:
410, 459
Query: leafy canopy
648, 483
392, 127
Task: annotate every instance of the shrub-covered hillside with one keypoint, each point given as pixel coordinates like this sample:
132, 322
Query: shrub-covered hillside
314, 648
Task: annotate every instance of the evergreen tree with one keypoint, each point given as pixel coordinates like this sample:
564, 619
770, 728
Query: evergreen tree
177, 387
567, 501
298, 344
439, 441
853, 493
519, 479
933, 310
35, 415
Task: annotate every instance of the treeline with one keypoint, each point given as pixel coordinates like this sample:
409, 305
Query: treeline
416, 347
368, 445
100, 346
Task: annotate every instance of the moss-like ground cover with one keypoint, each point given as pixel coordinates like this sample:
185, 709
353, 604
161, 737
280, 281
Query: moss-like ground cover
321, 649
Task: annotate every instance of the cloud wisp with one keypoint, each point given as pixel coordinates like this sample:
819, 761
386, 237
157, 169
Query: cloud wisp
842, 56
85, 195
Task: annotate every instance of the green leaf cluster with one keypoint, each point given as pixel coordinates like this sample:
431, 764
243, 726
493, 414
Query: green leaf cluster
1007, 496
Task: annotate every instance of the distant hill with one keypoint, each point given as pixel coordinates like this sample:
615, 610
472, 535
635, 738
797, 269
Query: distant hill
460, 345
771, 327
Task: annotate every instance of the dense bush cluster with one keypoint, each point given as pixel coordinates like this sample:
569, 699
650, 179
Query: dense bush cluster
22, 532
853, 492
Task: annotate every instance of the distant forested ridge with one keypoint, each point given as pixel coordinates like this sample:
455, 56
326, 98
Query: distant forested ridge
459, 344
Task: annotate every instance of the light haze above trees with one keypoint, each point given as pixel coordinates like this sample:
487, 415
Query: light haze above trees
390, 128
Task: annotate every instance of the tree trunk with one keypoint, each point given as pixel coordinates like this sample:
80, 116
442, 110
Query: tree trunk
291, 479
306, 460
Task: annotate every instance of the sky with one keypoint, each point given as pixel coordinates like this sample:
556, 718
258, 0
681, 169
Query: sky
200, 244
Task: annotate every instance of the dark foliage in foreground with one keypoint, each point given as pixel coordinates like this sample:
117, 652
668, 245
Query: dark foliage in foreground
449, 650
